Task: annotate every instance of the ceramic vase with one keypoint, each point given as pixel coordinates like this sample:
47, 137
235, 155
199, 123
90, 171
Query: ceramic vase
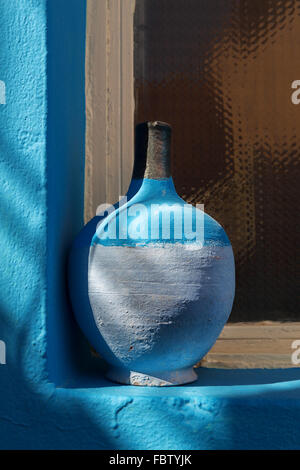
160, 277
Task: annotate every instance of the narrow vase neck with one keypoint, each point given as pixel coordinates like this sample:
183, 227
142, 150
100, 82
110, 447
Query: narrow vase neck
152, 151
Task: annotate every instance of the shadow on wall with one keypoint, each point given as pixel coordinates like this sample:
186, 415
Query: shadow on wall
31, 415
67, 350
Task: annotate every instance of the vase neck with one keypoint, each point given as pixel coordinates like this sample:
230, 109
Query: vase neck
152, 151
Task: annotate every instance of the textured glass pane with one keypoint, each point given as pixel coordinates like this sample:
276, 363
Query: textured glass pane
220, 71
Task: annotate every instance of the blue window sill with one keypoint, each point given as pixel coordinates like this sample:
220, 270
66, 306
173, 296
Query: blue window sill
224, 409
216, 382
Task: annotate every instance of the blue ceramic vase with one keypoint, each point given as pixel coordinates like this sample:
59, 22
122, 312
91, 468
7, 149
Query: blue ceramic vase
160, 277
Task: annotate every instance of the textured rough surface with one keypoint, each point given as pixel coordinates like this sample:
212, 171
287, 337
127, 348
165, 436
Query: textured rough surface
159, 300
160, 308
160, 276
232, 409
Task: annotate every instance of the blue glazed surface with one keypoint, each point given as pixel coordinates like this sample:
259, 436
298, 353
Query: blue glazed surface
158, 304
158, 192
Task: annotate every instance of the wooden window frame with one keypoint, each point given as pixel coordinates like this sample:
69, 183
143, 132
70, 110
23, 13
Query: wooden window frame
109, 160
109, 101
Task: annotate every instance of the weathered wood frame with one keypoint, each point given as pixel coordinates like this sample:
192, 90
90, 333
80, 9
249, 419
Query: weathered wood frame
109, 101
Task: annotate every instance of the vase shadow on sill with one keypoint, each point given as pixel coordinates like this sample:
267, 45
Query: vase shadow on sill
207, 377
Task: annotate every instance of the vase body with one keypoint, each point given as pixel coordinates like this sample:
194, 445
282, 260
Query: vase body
80, 250
160, 279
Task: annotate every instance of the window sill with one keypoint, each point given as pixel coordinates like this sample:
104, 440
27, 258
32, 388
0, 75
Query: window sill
224, 409
254, 345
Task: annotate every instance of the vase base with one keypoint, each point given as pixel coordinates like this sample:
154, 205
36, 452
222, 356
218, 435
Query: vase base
160, 379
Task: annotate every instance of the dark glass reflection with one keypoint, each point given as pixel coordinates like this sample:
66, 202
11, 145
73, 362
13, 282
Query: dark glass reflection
220, 71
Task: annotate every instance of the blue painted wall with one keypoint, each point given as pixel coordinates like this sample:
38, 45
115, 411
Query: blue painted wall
65, 176
23, 127
49, 395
